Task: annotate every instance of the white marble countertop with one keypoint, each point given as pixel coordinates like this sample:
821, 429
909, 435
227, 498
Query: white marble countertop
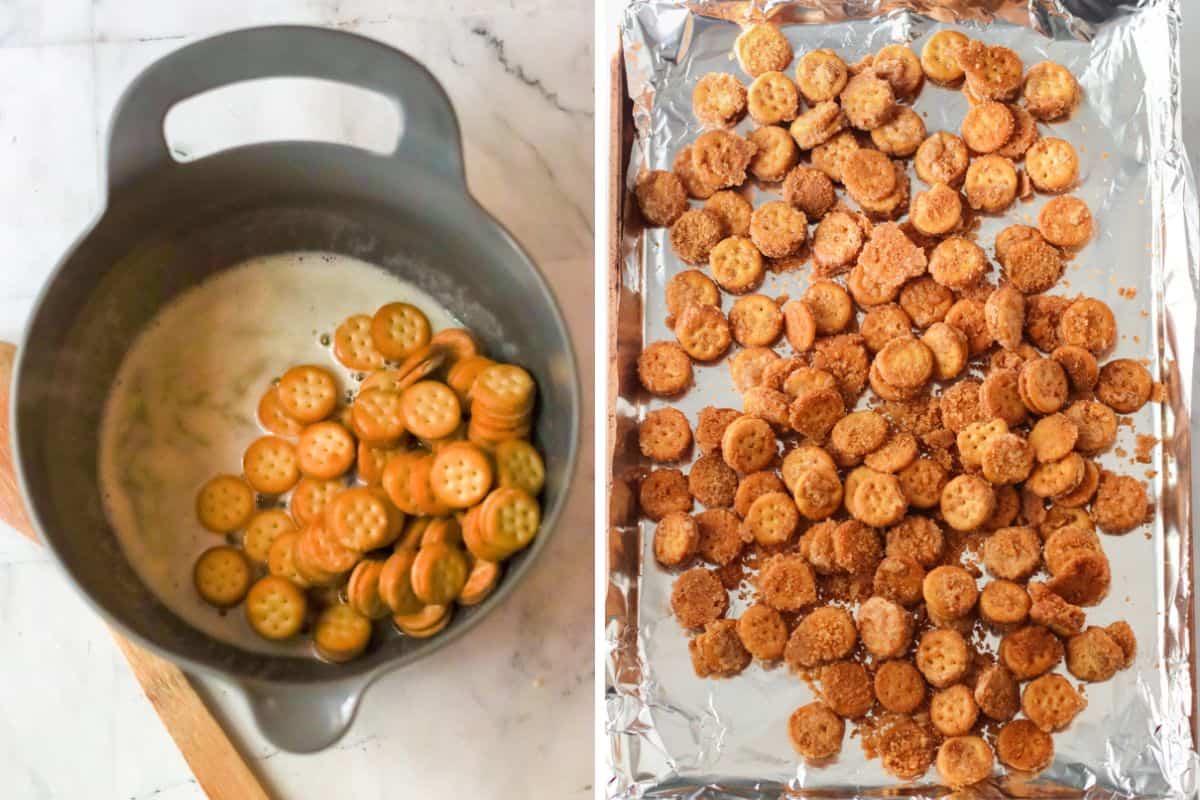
507, 711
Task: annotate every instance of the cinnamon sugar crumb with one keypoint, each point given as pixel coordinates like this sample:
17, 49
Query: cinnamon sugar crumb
1145, 444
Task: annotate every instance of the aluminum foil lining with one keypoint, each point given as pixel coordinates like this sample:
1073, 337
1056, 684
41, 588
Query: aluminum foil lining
671, 734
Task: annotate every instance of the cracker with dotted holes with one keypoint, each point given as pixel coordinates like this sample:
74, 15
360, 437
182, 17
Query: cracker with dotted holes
878, 500
1052, 164
993, 72
262, 530
395, 481
719, 159
974, 438
275, 608
353, 344
756, 320
772, 519
397, 330
326, 450
270, 465
991, 184
1051, 478
461, 475
703, 332
777, 229
362, 590
748, 444
306, 559
359, 519
222, 576
737, 266
439, 573
772, 99
801, 459
504, 388
395, 583
519, 465
311, 496
341, 633
272, 416
375, 416
224, 503
939, 57
821, 75
509, 519
307, 393
322, 548
966, 502
987, 126
430, 409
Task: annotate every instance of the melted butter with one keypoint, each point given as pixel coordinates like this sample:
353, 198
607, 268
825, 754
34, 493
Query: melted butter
182, 407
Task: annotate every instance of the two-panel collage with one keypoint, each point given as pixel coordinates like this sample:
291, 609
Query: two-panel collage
614, 400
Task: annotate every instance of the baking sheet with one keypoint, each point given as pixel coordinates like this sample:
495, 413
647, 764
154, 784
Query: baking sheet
671, 734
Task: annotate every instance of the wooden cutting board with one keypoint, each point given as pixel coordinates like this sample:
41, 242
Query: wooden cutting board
217, 765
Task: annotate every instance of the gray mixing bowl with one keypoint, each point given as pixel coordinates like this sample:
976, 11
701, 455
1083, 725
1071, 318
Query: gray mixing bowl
167, 226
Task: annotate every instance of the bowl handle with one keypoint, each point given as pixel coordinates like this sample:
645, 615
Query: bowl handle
429, 128
304, 719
